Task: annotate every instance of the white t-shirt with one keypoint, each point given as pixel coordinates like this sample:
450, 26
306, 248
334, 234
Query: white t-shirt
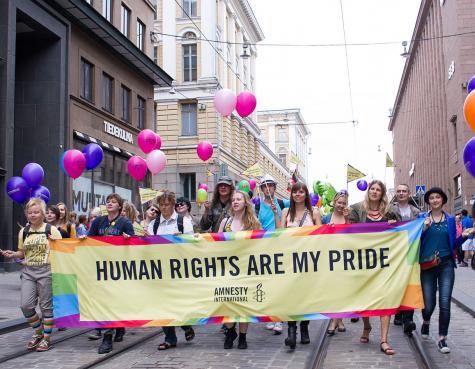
170, 226
405, 212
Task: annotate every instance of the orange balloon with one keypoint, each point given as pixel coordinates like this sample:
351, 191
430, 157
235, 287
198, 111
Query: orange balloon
319, 203
469, 110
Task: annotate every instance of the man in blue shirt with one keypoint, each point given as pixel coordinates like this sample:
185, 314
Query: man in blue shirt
268, 216
463, 250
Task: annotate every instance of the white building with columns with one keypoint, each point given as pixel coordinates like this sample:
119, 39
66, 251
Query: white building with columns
206, 45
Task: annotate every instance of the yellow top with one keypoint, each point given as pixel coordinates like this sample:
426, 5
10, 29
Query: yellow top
64, 227
36, 245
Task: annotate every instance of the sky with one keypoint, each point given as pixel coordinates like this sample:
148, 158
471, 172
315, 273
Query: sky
315, 79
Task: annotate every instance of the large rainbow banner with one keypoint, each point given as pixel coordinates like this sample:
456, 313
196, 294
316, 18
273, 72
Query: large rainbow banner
257, 276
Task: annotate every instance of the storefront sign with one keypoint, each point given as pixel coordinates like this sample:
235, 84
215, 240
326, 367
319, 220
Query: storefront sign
120, 133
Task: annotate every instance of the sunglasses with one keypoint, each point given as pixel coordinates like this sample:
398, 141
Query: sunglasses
342, 192
153, 210
180, 204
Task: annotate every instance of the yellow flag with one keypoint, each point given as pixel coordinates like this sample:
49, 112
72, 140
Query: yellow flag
103, 210
253, 171
352, 174
389, 161
147, 194
209, 173
294, 159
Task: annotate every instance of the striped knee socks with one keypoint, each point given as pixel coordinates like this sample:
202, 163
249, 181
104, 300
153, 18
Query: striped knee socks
35, 322
47, 327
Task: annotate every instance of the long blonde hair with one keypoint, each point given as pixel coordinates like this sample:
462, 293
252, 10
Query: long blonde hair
383, 203
130, 211
249, 219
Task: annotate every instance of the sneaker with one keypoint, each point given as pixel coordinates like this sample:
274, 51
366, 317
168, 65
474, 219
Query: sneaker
463, 264
270, 326
409, 327
277, 328
425, 330
231, 335
35, 341
44, 345
442, 345
119, 334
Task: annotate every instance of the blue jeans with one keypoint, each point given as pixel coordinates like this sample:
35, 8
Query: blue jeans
443, 276
170, 334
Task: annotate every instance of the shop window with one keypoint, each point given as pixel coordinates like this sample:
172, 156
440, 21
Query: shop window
188, 181
140, 35
458, 186
86, 80
125, 20
189, 8
188, 120
107, 92
140, 112
189, 63
155, 54
125, 100
107, 9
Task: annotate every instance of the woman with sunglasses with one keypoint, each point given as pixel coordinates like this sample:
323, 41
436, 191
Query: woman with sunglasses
149, 216
299, 214
183, 207
340, 215
375, 208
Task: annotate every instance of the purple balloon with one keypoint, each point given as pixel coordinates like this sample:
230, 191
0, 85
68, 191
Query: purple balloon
61, 162
469, 156
33, 174
314, 199
94, 154
256, 200
18, 189
362, 185
40, 192
471, 85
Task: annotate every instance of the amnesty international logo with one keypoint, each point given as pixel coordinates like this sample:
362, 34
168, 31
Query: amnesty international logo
259, 293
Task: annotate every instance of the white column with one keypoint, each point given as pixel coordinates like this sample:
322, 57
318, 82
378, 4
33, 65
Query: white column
169, 43
271, 143
208, 27
240, 65
232, 38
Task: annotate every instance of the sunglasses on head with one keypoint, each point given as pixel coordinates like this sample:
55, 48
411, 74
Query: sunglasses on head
342, 192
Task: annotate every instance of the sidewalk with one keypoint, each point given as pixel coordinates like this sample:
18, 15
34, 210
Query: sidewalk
464, 289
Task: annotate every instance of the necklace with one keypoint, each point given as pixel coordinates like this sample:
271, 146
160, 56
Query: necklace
439, 224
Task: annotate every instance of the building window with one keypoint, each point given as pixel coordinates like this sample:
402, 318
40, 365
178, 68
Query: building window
86, 83
189, 7
140, 112
140, 35
283, 159
188, 120
155, 54
189, 185
125, 100
107, 92
458, 186
282, 135
107, 9
125, 20
189, 63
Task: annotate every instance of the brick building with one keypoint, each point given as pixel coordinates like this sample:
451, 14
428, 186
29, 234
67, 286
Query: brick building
74, 72
429, 131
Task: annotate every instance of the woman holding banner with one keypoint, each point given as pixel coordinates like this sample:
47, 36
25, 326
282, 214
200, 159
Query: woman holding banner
34, 246
340, 215
219, 207
438, 248
299, 214
242, 218
375, 208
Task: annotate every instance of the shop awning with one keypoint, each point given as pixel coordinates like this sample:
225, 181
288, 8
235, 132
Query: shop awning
105, 145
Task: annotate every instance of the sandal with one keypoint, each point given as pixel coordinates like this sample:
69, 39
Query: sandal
342, 329
189, 334
388, 350
165, 346
44, 345
331, 332
35, 341
365, 337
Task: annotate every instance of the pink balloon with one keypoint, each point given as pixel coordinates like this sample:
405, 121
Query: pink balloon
225, 102
159, 142
203, 186
74, 163
156, 161
252, 184
137, 167
245, 104
147, 140
204, 150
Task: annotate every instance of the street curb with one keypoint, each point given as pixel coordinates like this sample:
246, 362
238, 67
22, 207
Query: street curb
464, 301
13, 325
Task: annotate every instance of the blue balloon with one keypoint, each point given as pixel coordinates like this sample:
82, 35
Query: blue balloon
93, 154
362, 185
471, 85
41, 192
469, 156
33, 174
18, 189
61, 162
